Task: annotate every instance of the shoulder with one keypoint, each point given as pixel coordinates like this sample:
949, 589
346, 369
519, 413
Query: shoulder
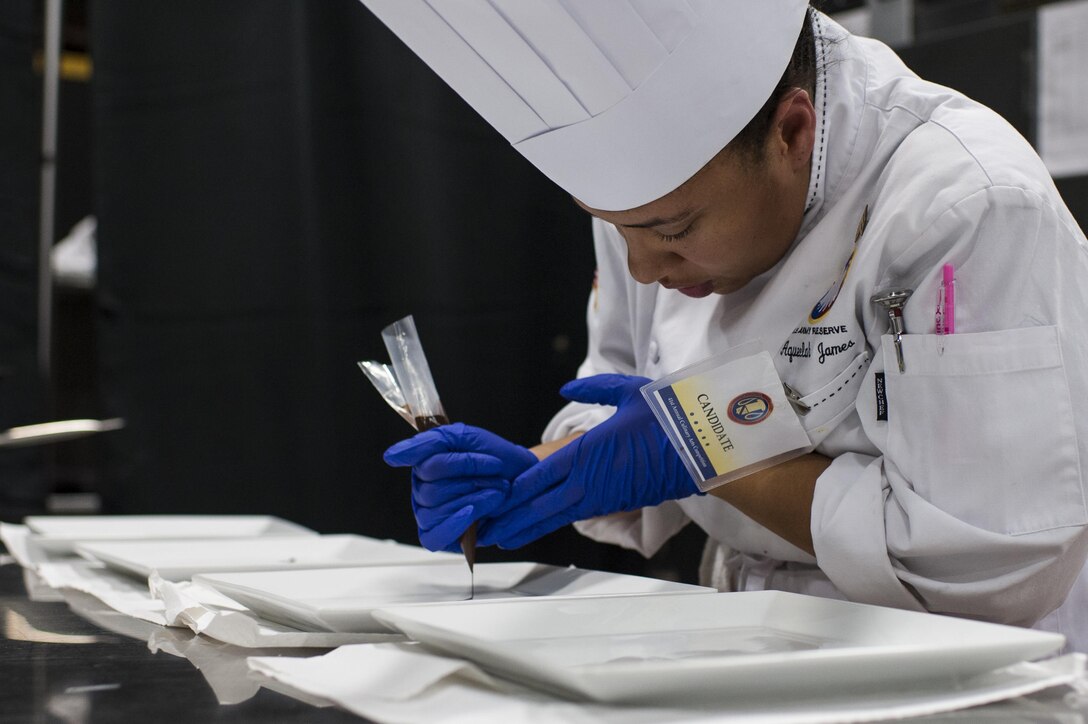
960, 147
930, 130
939, 159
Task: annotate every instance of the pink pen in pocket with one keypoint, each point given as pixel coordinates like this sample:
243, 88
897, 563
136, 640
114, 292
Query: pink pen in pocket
946, 301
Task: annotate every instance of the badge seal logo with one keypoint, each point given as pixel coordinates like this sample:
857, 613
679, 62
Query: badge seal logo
750, 408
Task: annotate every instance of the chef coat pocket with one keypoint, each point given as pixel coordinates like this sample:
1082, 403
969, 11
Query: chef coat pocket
982, 426
832, 401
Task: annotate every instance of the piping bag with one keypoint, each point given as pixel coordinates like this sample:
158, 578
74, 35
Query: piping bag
409, 389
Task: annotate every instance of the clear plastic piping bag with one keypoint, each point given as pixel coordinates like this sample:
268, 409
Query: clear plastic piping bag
385, 382
409, 389
412, 373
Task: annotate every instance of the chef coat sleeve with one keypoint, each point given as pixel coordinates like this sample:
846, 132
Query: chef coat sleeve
976, 504
610, 318
609, 325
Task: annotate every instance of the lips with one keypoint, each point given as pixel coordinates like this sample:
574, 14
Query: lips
698, 291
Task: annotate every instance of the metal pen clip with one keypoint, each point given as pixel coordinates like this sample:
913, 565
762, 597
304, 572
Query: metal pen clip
893, 301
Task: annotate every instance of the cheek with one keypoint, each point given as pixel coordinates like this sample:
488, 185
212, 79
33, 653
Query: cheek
742, 239
716, 250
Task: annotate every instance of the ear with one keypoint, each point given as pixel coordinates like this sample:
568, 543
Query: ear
793, 129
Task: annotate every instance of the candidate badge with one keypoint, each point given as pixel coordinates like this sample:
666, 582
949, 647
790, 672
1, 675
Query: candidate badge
717, 415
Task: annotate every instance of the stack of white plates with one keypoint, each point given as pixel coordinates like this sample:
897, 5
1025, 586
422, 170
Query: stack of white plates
61, 533
718, 648
178, 560
343, 599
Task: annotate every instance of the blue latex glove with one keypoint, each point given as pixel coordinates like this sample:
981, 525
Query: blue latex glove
624, 463
460, 473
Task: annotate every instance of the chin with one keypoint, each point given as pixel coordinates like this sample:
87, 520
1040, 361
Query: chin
729, 287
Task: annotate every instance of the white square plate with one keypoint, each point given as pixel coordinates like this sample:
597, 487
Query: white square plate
716, 647
342, 599
180, 560
61, 533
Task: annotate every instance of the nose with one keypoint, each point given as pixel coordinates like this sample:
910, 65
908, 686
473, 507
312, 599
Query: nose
645, 263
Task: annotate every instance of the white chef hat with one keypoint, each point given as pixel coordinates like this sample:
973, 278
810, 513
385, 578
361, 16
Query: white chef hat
617, 101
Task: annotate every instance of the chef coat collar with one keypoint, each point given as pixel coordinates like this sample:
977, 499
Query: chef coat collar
840, 97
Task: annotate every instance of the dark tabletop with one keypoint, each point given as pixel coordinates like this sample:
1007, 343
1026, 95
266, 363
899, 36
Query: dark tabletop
76, 662
58, 666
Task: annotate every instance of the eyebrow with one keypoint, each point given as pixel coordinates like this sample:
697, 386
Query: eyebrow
659, 221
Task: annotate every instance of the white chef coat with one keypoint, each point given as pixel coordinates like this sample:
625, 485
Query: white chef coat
969, 498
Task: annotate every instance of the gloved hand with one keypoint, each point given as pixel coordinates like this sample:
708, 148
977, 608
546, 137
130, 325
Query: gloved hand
624, 463
460, 473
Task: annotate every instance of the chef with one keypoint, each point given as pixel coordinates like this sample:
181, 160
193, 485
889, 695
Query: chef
755, 173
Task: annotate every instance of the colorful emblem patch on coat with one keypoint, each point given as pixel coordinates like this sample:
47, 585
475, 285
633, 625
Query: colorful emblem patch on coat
828, 299
751, 408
